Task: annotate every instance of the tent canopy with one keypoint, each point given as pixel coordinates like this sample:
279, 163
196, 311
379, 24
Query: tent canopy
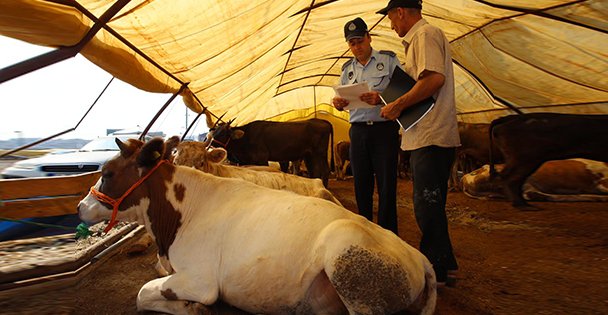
278, 60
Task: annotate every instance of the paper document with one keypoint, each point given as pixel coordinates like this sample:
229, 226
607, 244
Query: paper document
352, 92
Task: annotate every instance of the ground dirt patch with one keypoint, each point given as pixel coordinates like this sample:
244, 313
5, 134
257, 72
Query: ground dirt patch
511, 262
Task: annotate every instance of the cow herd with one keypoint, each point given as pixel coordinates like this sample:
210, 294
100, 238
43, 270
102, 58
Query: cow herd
525, 144
271, 242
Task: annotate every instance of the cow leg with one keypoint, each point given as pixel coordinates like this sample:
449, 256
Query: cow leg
323, 298
284, 166
339, 168
163, 266
514, 179
174, 295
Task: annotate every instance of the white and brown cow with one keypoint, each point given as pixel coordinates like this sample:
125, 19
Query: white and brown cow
559, 180
196, 154
261, 250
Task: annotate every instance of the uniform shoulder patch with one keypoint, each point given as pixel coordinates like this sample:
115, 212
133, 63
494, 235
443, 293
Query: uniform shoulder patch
346, 64
388, 52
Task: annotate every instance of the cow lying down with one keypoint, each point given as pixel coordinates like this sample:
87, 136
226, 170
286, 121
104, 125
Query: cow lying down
560, 180
195, 154
261, 250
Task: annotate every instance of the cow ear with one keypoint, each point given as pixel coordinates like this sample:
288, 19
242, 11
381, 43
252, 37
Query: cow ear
238, 134
127, 149
170, 145
217, 155
151, 152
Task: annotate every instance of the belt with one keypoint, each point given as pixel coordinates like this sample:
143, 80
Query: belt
370, 122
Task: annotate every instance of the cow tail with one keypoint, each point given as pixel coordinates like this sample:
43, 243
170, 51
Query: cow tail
492, 170
332, 164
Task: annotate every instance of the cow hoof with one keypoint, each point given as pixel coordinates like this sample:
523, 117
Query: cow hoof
196, 308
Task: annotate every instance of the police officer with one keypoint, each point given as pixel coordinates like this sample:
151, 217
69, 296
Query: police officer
374, 140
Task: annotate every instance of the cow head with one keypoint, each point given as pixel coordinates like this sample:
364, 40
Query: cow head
197, 155
223, 133
121, 183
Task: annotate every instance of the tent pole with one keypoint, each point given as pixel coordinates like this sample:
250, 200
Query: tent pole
191, 125
162, 109
23, 147
62, 53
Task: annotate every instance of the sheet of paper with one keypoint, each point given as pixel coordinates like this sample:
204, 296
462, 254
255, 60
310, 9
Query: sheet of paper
351, 92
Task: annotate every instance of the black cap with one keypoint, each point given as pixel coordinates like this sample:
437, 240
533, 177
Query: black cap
355, 29
417, 4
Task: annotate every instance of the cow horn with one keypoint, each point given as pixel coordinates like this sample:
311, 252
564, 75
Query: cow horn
218, 120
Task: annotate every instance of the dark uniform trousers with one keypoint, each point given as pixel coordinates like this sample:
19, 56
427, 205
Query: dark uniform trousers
373, 151
430, 171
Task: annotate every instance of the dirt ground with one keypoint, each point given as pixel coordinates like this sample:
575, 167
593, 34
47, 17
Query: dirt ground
550, 261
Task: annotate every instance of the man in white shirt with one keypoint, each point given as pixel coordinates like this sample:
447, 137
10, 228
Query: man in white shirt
433, 140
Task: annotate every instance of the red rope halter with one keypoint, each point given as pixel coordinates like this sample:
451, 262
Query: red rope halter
116, 202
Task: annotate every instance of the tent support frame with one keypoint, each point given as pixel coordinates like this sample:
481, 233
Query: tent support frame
61, 53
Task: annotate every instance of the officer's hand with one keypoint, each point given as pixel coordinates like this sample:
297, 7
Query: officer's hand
371, 98
339, 103
390, 111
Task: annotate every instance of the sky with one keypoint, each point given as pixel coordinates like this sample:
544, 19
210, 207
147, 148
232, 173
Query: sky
53, 99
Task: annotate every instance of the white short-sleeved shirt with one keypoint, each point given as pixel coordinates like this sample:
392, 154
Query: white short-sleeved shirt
427, 48
377, 73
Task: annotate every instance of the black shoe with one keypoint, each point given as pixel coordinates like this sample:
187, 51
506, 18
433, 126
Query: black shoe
441, 275
445, 278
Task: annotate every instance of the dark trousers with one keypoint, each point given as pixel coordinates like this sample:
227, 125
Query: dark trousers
373, 153
430, 172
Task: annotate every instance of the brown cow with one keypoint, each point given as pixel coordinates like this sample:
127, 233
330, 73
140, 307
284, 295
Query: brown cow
342, 158
529, 140
561, 180
258, 142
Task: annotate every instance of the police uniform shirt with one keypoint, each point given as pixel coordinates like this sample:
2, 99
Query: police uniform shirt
376, 73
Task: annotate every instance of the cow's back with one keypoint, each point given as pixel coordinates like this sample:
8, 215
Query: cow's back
554, 136
282, 141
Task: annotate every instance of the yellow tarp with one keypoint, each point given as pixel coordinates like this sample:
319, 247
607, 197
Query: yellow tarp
277, 60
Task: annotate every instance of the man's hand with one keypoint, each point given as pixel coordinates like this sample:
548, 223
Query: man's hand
391, 111
371, 98
339, 103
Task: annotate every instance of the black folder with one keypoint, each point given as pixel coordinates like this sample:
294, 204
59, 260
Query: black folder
399, 84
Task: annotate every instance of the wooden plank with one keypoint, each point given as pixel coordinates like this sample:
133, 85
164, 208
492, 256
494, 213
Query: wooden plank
61, 264
47, 186
40, 207
70, 278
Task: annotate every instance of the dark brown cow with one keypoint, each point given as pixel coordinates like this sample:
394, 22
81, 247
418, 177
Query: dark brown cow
258, 142
529, 140
474, 151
